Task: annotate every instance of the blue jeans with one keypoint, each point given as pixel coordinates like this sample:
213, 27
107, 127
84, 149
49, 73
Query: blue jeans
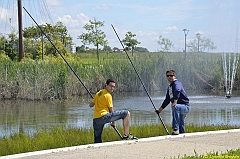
98, 123
179, 113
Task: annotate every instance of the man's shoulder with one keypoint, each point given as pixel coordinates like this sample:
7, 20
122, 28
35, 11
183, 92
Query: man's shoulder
101, 92
105, 92
177, 82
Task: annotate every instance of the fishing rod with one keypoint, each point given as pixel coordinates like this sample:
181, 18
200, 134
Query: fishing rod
140, 80
66, 62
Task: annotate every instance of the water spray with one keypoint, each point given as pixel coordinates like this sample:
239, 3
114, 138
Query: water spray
230, 65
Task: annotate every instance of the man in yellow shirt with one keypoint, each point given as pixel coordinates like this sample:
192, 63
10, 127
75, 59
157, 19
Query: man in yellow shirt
104, 112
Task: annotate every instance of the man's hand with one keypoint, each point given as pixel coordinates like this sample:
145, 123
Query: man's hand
174, 103
113, 124
91, 104
159, 110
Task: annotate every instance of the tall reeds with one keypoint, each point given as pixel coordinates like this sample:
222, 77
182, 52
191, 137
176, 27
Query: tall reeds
52, 79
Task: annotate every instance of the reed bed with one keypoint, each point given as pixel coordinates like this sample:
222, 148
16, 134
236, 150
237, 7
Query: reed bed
64, 137
52, 79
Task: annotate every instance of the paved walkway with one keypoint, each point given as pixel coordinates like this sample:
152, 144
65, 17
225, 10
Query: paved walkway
155, 147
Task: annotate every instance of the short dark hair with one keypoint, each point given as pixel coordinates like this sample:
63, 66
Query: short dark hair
171, 71
109, 80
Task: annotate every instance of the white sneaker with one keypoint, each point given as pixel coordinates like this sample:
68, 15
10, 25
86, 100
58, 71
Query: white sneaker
175, 132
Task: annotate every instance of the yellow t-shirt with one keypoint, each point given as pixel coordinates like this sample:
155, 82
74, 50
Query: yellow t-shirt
102, 101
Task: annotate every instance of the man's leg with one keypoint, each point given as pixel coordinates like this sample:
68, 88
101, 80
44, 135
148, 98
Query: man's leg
98, 128
175, 117
183, 113
126, 123
122, 114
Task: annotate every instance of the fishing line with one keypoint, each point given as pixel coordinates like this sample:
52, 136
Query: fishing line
66, 63
58, 52
140, 79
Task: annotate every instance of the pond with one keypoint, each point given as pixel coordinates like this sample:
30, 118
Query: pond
30, 116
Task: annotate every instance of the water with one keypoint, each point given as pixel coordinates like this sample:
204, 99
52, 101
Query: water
31, 116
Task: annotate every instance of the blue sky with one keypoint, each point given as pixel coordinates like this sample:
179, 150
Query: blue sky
214, 19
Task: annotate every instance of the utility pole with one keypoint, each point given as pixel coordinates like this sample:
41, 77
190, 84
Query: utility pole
198, 37
185, 34
20, 34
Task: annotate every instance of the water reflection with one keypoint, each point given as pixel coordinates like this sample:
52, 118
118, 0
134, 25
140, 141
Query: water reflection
31, 116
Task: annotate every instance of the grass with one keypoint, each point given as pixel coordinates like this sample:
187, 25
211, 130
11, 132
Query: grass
64, 137
215, 155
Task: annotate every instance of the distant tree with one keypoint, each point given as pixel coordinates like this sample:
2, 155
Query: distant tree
201, 44
10, 45
94, 35
129, 42
141, 49
107, 49
115, 49
81, 49
3, 42
165, 43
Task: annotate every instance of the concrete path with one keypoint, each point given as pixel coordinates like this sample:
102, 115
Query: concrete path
155, 147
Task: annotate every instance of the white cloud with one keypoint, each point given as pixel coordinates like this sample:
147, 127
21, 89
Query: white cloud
101, 7
83, 18
4, 12
75, 25
54, 3
80, 20
8, 19
169, 29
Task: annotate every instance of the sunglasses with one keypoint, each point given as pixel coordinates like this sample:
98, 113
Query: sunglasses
170, 75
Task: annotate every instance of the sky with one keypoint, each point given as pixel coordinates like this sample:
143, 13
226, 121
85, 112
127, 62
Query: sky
214, 19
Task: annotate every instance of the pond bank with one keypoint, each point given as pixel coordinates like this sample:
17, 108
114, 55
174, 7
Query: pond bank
156, 147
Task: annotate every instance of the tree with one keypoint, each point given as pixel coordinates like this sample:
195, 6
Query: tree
94, 35
115, 49
11, 46
58, 33
62, 31
129, 42
107, 49
141, 49
165, 43
201, 44
3, 42
81, 49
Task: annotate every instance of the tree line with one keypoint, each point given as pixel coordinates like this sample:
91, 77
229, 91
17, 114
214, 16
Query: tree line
36, 45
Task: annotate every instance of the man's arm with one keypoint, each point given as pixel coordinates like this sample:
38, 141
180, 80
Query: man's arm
174, 102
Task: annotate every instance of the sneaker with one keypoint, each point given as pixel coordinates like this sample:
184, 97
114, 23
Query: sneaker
129, 137
175, 132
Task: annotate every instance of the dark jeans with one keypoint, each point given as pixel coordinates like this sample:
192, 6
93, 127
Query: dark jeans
98, 123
